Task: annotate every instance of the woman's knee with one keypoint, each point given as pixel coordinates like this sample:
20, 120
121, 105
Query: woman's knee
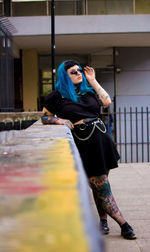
100, 184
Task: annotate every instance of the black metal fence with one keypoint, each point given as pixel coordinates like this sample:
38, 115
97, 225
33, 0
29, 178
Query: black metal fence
18, 120
130, 131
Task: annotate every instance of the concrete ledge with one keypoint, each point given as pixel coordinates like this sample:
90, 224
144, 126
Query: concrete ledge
6, 136
44, 195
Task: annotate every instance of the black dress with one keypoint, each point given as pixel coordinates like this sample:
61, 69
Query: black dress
98, 152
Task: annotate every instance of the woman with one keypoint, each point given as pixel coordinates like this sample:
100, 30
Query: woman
76, 102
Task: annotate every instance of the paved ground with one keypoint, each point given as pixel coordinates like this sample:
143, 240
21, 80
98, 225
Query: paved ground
131, 188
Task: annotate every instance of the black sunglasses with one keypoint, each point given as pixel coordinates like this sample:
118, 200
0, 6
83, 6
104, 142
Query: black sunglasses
76, 72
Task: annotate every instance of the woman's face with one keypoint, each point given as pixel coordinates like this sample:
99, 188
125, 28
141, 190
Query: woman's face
75, 74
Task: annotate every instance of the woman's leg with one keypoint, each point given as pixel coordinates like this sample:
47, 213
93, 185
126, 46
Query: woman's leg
101, 211
106, 204
102, 214
104, 199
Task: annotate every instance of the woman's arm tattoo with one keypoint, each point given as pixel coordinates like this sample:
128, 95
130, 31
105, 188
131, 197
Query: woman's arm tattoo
107, 97
101, 96
46, 119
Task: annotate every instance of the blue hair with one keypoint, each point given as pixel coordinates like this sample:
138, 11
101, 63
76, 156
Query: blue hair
66, 87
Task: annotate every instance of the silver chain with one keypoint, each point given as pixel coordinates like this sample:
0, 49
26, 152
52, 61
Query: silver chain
94, 125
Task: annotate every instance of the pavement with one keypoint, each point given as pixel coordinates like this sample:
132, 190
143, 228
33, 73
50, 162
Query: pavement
130, 184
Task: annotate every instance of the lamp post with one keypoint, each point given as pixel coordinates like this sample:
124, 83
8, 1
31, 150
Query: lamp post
114, 63
53, 42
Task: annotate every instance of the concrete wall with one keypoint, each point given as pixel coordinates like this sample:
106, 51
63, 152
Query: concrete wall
45, 197
133, 82
30, 79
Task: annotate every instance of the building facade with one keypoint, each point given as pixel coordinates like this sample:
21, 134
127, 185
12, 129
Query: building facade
111, 35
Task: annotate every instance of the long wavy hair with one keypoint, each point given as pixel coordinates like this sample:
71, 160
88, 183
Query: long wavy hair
65, 86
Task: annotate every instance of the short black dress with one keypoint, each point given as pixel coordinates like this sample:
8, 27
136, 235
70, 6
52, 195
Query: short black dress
97, 150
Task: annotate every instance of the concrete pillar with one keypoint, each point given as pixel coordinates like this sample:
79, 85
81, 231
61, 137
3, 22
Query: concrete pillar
30, 79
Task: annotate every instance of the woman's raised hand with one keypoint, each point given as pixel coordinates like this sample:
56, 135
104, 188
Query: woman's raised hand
89, 74
102, 94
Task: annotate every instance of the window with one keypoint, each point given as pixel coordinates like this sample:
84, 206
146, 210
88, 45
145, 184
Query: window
97, 7
119, 6
142, 6
43, 7
66, 7
29, 8
46, 82
45, 86
77, 7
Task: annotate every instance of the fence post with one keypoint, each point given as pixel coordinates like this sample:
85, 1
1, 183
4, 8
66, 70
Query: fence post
147, 117
131, 135
120, 133
136, 116
142, 134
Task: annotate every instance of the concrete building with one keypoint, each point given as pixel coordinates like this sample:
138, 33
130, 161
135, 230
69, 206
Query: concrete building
113, 36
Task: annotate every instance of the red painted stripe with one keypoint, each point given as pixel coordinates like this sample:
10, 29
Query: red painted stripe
11, 190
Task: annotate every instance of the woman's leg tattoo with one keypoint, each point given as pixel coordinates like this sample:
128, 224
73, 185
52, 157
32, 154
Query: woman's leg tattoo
104, 199
101, 211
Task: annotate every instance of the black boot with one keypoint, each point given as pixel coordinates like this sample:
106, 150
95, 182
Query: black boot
127, 231
104, 226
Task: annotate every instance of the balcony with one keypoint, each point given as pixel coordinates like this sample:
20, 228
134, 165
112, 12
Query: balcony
77, 7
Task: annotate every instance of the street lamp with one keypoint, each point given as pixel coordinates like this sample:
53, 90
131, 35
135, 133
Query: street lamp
53, 42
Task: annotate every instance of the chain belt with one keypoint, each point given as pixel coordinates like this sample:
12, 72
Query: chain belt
83, 126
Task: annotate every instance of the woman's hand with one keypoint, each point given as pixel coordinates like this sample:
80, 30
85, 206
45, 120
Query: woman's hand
89, 74
65, 122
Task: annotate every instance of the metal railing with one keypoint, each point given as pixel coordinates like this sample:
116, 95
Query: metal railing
130, 131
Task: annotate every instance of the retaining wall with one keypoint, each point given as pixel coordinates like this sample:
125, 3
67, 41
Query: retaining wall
45, 200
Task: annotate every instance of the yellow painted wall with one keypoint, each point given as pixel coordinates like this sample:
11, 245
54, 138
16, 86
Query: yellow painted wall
30, 79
